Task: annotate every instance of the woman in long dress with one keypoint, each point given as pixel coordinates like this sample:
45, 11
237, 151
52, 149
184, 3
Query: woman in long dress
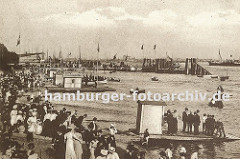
70, 152
92, 148
77, 142
13, 115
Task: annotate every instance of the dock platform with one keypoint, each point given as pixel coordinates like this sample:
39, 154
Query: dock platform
191, 137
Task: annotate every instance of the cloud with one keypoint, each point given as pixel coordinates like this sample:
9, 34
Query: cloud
108, 16
165, 18
89, 18
212, 19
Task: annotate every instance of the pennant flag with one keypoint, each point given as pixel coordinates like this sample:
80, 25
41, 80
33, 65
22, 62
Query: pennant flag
142, 47
18, 41
98, 48
154, 47
115, 56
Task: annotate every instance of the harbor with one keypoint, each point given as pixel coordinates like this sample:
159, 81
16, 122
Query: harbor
119, 79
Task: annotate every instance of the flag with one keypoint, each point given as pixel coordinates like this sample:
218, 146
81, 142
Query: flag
69, 53
115, 56
230, 55
154, 47
18, 41
142, 47
98, 48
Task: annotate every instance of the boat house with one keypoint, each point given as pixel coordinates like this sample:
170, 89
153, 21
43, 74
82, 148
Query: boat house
72, 81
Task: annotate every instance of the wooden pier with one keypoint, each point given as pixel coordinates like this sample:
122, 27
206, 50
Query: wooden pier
163, 65
168, 65
193, 68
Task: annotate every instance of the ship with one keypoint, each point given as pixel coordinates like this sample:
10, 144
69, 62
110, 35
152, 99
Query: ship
221, 62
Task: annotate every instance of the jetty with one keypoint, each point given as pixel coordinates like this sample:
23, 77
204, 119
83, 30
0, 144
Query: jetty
168, 65
193, 68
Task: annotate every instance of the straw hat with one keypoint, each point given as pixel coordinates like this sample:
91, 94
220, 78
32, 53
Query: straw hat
15, 107
200, 146
104, 152
112, 125
111, 149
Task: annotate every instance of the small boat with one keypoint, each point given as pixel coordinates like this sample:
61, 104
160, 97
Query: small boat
154, 79
138, 91
91, 83
133, 69
214, 76
113, 71
217, 103
112, 79
223, 78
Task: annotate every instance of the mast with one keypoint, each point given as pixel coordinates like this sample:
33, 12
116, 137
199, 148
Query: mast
220, 55
154, 48
142, 48
60, 53
98, 50
80, 53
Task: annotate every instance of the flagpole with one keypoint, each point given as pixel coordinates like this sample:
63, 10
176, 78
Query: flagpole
142, 50
97, 62
154, 47
80, 56
19, 48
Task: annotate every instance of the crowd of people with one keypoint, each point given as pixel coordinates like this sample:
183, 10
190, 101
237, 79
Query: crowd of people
71, 135
192, 123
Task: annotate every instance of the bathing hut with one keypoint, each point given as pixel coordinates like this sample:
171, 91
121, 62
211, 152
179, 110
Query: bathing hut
150, 116
72, 81
52, 72
58, 79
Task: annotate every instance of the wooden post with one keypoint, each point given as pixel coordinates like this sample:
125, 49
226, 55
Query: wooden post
186, 66
194, 66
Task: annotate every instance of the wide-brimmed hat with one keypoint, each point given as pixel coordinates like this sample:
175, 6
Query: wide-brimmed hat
200, 146
111, 149
104, 152
15, 107
112, 125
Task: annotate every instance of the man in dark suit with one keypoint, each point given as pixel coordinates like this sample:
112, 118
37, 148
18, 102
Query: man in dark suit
184, 118
80, 120
197, 122
93, 126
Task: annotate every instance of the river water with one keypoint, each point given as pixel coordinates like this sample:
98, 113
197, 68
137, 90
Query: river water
229, 115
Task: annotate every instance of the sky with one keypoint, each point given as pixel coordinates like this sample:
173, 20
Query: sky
180, 28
